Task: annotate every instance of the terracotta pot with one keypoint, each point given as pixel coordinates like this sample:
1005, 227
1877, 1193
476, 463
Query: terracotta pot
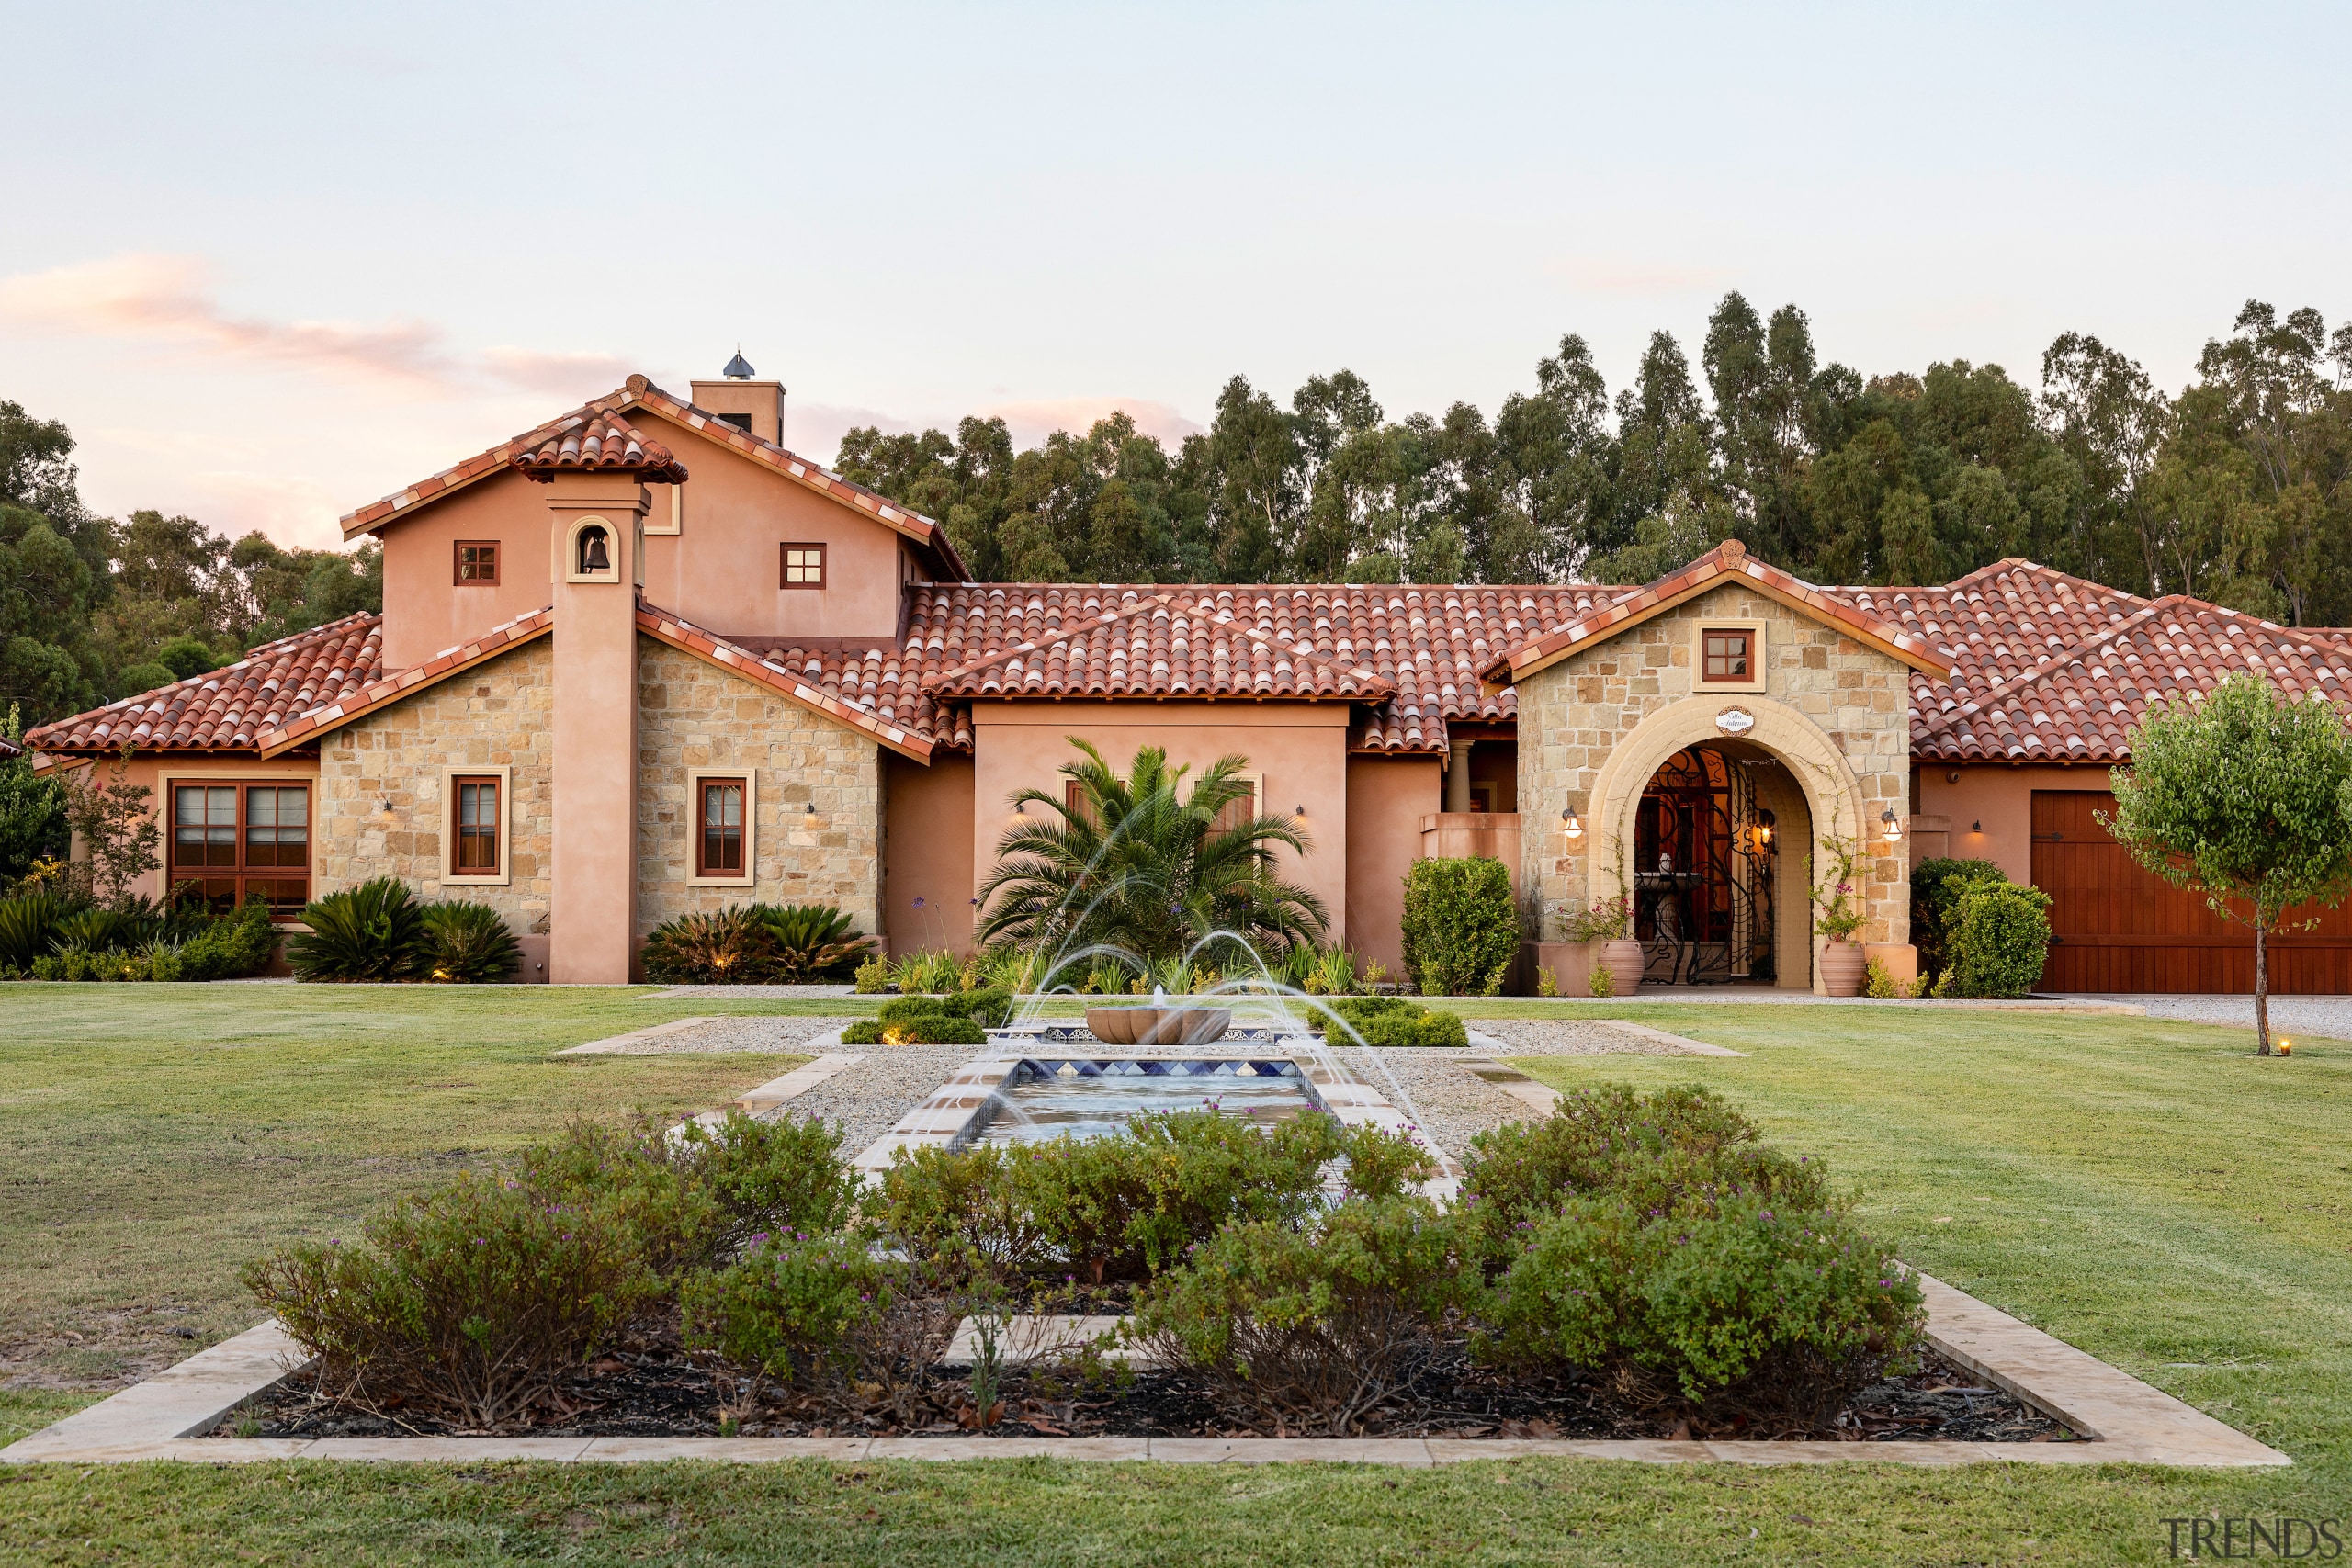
1842, 964
1158, 1026
1623, 959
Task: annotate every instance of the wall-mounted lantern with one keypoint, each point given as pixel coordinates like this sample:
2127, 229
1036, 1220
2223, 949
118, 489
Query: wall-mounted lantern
1571, 825
1893, 828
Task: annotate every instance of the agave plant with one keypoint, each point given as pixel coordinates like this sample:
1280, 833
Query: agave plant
468, 945
721, 947
99, 930
29, 928
373, 932
812, 941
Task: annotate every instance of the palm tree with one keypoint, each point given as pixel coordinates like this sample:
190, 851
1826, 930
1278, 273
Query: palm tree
1135, 867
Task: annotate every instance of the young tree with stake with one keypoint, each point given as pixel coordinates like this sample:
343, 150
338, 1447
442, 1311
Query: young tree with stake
2245, 798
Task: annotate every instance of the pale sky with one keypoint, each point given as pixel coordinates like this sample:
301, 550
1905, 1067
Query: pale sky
270, 262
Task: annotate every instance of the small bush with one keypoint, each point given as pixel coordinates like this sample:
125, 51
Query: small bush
469, 1303
865, 1032
1391, 1023
1546, 983
788, 1307
1384, 1165
930, 972
1661, 1151
1125, 1206
1937, 885
1460, 924
716, 948
1600, 981
28, 926
373, 932
468, 945
959, 1019
232, 946
809, 943
958, 1212
1309, 1330
1999, 940
873, 975
1778, 1314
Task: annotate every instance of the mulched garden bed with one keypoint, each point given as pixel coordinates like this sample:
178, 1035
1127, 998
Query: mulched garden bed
651, 1387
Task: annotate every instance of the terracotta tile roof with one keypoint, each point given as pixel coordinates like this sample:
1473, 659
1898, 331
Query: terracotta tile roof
1729, 559
2081, 706
230, 709
642, 392
606, 445
1408, 655
304, 729
840, 702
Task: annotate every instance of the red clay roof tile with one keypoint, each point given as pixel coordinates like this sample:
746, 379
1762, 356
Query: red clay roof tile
607, 444
228, 709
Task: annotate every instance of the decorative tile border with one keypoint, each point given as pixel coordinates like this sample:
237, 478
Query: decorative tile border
2126, 1421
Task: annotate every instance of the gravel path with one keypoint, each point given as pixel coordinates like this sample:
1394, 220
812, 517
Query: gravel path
868, 1098
753, 1033
1570, 1037
1450, 1104
755, 993
2328, 1016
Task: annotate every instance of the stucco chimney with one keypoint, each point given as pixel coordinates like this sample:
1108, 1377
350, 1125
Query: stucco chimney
743, 401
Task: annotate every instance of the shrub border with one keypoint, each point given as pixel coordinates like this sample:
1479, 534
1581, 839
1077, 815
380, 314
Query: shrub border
2126, 1422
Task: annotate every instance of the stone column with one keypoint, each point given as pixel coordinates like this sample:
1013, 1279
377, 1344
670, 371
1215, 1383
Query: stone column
592, 905
1458, 776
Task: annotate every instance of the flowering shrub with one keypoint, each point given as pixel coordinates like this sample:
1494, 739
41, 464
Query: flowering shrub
788, 1307
961, 1212
1738, 1306
1837, 895
469, 1303
1310, 1329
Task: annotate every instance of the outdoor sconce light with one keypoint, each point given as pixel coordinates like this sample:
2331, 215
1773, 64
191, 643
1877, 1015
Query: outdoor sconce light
808, 815
1977, 826
1571, 825
1762, 834
1020, 809
1893, 828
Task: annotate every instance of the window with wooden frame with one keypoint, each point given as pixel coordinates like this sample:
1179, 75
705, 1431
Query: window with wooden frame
476, 813
233, 839
477, 563
722, 820
1728, 656
803, 566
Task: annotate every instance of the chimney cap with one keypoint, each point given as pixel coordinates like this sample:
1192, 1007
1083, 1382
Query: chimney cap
739, 368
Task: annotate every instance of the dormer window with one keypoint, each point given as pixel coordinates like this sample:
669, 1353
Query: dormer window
478, 562
804, 566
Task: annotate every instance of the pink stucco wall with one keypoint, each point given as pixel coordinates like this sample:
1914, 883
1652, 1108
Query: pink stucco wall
1998, 797
927, 853
720, 572
1388, 797
592, 909
1301, 748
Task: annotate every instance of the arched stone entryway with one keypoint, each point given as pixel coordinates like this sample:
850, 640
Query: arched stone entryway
1818, 779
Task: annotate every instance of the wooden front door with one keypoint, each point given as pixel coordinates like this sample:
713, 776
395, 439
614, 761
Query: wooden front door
2118, 927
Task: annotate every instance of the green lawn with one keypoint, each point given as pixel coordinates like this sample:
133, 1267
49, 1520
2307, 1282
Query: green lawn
2148, 1191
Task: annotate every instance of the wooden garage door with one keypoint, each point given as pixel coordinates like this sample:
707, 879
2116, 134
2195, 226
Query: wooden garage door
2117, 927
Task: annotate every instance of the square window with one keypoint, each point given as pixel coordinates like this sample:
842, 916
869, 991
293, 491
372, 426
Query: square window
718, 850
1725, 654
231, 842
476, 829
478, 562
804, 566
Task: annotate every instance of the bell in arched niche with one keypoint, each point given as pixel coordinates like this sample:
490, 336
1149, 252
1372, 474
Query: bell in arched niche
596, 552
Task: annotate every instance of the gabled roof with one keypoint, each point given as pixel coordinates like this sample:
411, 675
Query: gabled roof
1726, 561
779, 676
304, 729
2080, 706
637, 395
606, 445
1176, 642
230, 709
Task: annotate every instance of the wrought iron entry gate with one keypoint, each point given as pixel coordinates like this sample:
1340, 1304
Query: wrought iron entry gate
1703, 858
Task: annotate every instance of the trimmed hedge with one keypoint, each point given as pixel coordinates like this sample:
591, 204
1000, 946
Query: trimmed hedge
1461, 928
1999, 942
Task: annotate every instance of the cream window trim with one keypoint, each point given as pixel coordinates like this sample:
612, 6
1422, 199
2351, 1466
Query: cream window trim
1755, 663
750, 778
672, 517
450, 876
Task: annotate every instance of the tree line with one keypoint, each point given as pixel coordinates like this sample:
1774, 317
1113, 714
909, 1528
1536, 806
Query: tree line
2233, 490
93, 610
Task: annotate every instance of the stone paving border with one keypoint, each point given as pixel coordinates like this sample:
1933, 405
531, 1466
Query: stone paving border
1682, 1044
799, 1081
620, 1043
2127, 1421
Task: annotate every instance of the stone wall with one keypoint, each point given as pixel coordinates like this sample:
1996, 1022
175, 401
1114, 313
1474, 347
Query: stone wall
495, 714
1817, 680
693, 715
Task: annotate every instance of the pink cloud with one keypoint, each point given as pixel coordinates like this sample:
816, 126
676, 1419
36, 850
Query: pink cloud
1031, 423
168, 300
574, 377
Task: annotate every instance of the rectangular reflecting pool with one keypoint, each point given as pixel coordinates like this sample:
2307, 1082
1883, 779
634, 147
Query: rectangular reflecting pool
1092, 1097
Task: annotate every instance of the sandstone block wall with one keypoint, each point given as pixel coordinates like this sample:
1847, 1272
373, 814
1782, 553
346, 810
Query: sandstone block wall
496, 714
692, 715
1573, 713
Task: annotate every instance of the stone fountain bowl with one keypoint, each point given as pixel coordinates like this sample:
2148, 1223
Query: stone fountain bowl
1158, 1026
